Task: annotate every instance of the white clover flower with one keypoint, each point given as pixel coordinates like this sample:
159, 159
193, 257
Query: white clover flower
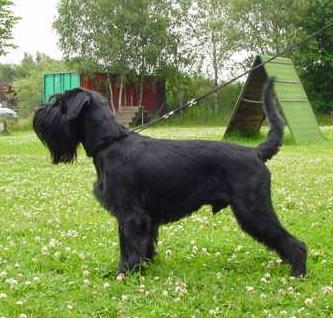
11, 282
238, 248
181, 288
124, 297
72, 234
82, 255
249, 289
3, 274
308, 301
142, 288
3, 296
120, 277
327, 290
270, 264
214, 312
45, 250
86, 273
168, 252
106, 285
53, 242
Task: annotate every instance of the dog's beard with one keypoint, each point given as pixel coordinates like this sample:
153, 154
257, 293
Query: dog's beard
57, 133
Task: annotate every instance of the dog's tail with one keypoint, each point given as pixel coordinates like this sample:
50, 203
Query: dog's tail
272, 144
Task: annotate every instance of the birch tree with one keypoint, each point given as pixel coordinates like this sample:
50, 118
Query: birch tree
7, 22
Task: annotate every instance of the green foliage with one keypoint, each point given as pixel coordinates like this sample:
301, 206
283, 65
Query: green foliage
315, 59
28, 82
7, 22
117, 36
7, 73
205, 112
266, 26
269, 27
129, 38
59, 248
215, 36
21, 124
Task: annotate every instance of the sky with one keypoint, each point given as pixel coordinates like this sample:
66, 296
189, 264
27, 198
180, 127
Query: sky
34, 31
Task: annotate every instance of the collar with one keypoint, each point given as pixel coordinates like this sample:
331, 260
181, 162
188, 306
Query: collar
105, 144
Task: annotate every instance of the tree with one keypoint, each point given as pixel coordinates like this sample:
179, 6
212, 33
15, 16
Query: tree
266, 26
314, 60
269, 27
130, 37
7, 72
7, 22
28, 80
215, 38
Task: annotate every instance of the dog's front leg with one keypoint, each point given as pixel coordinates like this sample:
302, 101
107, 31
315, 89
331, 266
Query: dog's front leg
136, 237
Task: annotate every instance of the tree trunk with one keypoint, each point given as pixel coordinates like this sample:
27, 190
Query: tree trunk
111, 94
215, 67
141, 90
121, 92
142, 74
125, 95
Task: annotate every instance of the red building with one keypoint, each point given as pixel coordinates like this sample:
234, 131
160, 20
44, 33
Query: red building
153, 97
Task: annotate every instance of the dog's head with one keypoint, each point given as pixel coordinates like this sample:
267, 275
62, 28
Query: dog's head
75, 116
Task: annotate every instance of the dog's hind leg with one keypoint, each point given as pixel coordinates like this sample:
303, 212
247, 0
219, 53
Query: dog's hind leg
136, 235
255, 214
151, 252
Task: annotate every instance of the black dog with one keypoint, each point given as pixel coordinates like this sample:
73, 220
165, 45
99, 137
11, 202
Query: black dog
147, 182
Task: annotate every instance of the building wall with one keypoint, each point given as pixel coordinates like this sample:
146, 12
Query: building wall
153, 91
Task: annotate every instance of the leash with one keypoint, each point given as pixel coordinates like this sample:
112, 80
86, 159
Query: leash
194, 101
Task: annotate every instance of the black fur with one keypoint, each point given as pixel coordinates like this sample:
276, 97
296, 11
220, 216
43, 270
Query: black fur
146, 182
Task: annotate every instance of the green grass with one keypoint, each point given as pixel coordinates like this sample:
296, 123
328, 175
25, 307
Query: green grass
59, 248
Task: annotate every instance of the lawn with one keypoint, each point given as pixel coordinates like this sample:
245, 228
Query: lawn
59, 248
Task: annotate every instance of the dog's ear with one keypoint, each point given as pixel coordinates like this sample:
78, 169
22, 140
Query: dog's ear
75, 100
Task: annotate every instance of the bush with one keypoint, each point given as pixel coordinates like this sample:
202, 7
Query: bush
203, 113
